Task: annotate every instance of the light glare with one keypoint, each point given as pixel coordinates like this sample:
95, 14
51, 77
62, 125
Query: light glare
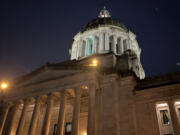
94, 63
4, 85
177, 103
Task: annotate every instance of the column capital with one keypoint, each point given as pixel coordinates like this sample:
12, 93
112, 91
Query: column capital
16, 103
51, 96
29, 100
41, 99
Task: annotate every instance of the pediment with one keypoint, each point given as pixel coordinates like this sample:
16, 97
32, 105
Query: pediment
47, 75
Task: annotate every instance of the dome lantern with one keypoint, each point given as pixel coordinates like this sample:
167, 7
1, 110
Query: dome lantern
104, 13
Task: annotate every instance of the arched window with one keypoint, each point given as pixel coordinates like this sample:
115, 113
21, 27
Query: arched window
111, 43
83, 48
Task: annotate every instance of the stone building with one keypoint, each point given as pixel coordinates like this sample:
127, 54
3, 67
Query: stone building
100, 91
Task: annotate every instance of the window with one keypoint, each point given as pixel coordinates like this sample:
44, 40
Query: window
164, 119
90, 45
125, 45
179, 112
55, 129
164, 116
111, 44
68, 128
118, 46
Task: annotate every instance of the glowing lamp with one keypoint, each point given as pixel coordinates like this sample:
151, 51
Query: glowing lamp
4, 85
94, 63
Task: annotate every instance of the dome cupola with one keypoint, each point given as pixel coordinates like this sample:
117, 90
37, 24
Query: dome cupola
104, 13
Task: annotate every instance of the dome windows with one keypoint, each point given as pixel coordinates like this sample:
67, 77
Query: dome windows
90, 46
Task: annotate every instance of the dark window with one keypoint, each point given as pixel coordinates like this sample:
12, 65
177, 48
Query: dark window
164, 116
111, 44
55, 129
125, 45
118, 46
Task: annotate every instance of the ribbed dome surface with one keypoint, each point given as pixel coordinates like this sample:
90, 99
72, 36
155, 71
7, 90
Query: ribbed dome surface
102, 22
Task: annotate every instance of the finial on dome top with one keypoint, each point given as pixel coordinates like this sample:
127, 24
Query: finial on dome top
104, 13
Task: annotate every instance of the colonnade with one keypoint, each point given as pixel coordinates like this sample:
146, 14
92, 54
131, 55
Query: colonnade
101, 43
48, 113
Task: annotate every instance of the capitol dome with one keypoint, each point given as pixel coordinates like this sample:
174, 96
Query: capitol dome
104, 35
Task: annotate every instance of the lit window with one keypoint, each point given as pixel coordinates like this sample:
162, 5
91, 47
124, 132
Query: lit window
164, 119
90, 46
68, 128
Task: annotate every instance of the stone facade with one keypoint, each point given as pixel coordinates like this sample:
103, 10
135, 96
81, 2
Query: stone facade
93, 102
76, 97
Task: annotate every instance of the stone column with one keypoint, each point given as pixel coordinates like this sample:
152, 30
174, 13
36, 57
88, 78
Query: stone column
107, 42
101, 42
35, 115
3, 117
121, 46
47, 119
61, 118
174, 117
98, 112
115, 44
87, 47
79, 48
22, 118
13, 118
91, 109
76, 111
94, 45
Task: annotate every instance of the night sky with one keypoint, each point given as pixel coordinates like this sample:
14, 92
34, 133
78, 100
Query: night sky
33, 33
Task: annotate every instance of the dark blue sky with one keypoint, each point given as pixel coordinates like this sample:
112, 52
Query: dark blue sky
35, 32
